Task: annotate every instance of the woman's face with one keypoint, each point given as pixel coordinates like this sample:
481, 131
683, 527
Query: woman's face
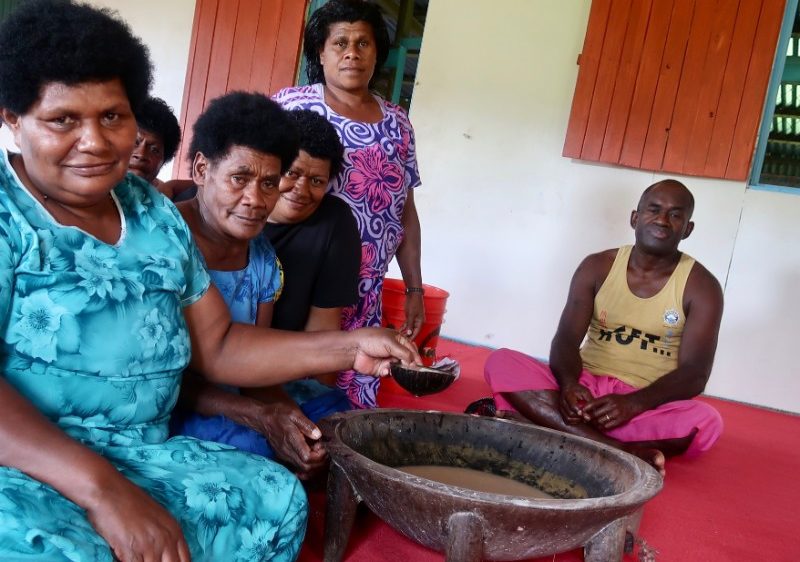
237, 192
349, 55
301, 189
76, 140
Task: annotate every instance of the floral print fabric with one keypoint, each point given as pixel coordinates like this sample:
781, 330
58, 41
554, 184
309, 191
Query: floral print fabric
380, 166
94, 336
261, 281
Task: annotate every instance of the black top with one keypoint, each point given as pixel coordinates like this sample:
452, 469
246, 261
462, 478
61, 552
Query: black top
321, 257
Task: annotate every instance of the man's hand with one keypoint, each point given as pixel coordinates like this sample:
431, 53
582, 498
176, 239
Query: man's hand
377, 348
135, 526
571, 404
293, 436
415, 315
612, 410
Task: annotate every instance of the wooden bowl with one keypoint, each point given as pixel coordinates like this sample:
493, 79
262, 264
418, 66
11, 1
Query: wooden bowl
422, 381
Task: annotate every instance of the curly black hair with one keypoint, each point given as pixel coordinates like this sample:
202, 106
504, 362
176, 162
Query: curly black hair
319, 138
156, 117
46, 41
244, 119
336, 11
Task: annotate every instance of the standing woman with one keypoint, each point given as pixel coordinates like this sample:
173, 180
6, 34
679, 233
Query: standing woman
346, 41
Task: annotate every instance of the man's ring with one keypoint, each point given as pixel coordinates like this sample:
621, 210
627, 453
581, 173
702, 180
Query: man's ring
607, 417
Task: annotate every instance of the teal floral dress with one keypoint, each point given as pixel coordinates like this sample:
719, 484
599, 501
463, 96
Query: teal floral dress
94, 336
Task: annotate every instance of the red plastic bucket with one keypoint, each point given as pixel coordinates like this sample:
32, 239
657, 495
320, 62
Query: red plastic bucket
435, 299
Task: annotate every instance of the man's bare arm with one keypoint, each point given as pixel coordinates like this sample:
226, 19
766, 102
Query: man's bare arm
565, 359
703, 303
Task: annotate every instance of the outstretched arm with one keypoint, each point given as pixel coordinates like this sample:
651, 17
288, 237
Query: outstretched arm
242, 355
409, 258
295, 438
319, 320
703, 303
268, 411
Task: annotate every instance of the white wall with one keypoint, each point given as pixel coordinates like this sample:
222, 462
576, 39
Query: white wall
756, 361
506, 219
166, 29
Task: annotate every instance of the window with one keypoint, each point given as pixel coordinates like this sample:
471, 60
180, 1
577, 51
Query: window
777, 160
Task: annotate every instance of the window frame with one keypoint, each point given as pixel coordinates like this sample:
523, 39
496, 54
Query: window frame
790, 12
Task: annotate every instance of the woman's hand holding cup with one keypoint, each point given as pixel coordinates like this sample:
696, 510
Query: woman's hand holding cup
375, 349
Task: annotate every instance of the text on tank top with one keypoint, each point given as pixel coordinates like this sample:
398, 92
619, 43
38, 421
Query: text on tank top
634, 339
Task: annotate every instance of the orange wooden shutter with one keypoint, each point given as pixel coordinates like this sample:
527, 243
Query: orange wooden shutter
250, 45
674, 85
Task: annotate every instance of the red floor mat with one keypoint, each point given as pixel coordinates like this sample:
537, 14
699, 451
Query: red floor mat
737, 503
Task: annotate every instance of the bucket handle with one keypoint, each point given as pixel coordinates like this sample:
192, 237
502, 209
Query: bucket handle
423, 348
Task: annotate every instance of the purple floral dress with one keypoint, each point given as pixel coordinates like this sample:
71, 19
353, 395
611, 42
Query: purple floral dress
380, 166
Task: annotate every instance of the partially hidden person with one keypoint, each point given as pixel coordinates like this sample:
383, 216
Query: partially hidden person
105, 300
316, 239
156, 142
345, 43
634, 346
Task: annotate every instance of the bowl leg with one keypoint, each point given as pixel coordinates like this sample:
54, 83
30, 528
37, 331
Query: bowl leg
464, 538
339, 514
632, 523
608, 543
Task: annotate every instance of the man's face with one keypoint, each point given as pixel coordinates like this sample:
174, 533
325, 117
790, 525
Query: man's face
148, 155
662, 219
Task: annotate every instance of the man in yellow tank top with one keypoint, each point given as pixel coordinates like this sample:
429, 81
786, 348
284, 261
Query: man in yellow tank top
634, 346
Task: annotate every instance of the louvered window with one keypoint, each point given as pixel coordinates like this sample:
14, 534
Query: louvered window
777, 163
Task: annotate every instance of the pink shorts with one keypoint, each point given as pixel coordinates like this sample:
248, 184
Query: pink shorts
507, 370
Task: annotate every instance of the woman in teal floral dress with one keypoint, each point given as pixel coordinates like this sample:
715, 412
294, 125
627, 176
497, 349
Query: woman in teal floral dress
102, 291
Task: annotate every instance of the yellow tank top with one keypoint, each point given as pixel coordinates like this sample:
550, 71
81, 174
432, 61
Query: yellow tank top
633, 339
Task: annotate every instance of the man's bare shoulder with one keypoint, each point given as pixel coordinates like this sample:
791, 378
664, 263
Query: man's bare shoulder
702, 284
599, 264
602, 259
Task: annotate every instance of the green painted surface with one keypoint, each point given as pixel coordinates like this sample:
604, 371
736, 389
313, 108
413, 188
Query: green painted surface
6, 7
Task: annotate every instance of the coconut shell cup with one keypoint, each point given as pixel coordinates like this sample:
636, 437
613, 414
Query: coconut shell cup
422, 381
